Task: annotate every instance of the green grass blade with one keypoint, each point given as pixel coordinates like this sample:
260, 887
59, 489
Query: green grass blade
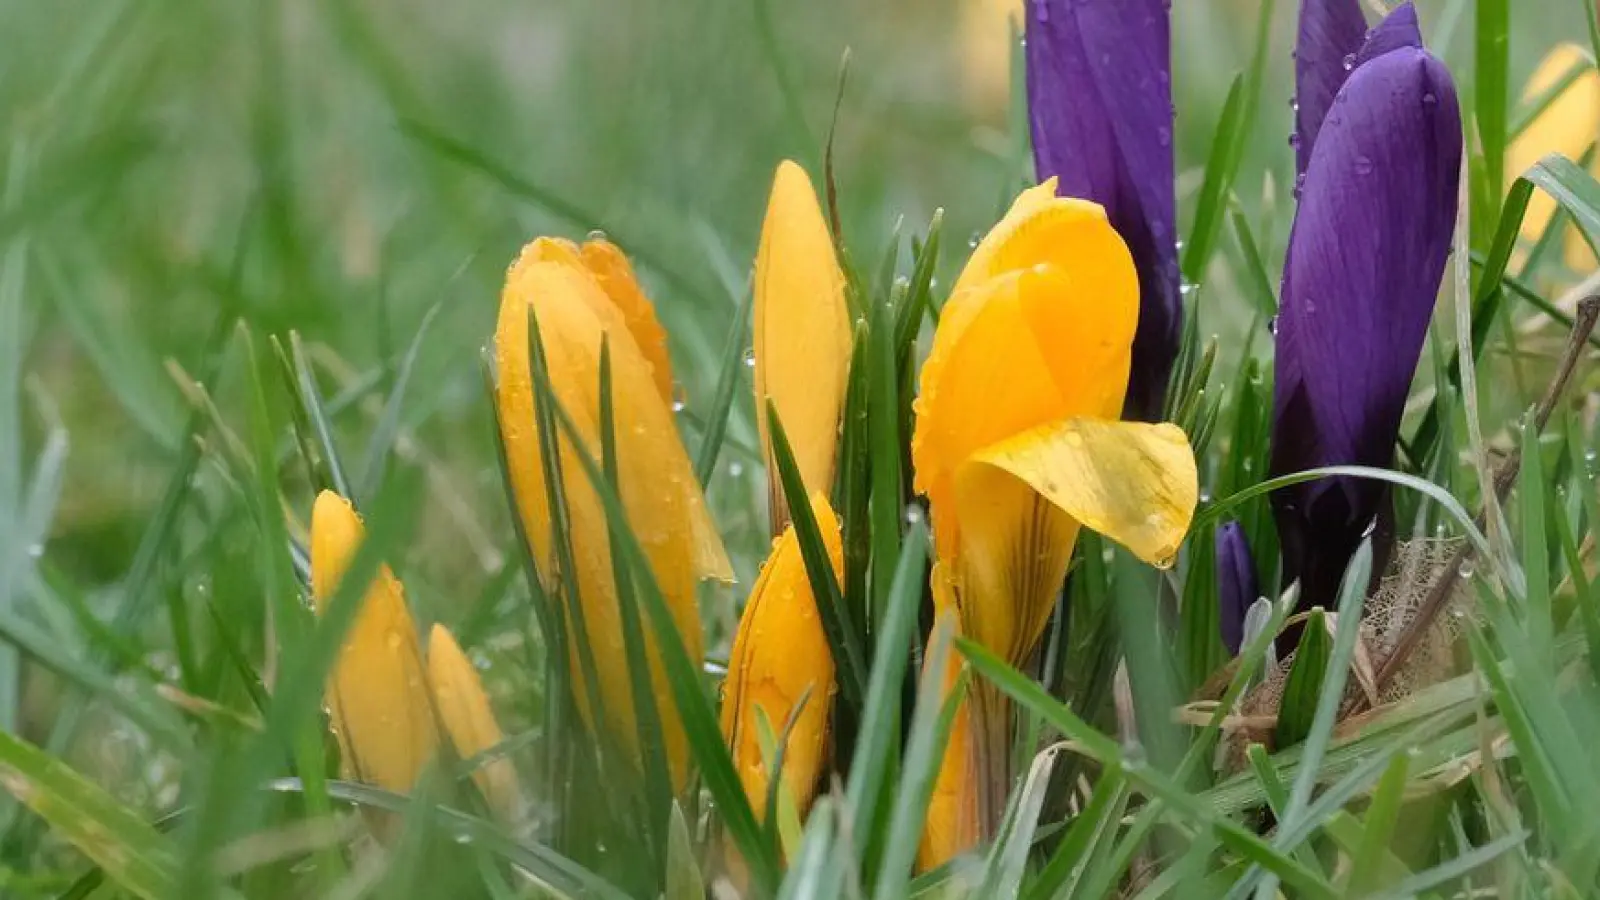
844, 641
1303, 687
116, 838
880, 719
729, 376
381, 443
1378, 826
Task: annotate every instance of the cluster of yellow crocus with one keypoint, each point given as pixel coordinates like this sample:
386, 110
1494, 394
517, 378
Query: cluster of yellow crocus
1569, 125
1017, 446
386, 703
582, 299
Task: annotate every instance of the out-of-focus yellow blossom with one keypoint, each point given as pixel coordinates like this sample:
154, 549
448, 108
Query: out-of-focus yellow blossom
1568, 126
659, 492
986, 47
802, 333
1018, 446
781, 655
377, 692
468, 719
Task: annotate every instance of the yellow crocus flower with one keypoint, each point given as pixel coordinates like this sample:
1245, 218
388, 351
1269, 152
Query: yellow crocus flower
664, 506
781, 654
802, 333
1568, 126
377, 692
1018, 445
468, 719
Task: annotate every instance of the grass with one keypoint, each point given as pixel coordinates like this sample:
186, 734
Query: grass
248, 251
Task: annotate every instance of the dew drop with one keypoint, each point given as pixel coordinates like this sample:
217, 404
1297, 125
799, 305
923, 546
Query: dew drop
1294, 104
735, 469
972, 241
750, 358
1430, 99
913, 514
1272, 326
1349, 61
35, 550
393, 640
1164, 136
596, 235
1294, 139
1363, 165
680, 400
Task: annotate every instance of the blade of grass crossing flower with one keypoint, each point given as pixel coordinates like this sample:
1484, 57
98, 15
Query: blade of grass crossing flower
931, 722
700, 723
842, 637
880, 718
1227, 149
561, 533
1200, 634
657, 793
118, 839
883, 426
381, 443
552, 624
311, 397
855, 483
1592, 19
729, 370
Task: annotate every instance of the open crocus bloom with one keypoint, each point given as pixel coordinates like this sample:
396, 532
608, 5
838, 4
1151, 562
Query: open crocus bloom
802, 333
378, 691
580, 305
1018, 446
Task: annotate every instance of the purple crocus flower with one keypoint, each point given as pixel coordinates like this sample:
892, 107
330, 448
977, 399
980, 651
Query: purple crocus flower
1365, 259
1237, 587
1331, 33
1100, 106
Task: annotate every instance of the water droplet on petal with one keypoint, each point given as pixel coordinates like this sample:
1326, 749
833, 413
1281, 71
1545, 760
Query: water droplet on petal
750, 358
1363, 165
596, 235
1349, 61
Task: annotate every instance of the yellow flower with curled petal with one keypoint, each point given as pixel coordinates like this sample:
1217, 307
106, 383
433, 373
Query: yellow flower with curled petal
1018, 445
468, 719
377, 693
781, 655
659, 492
802, 333
1568, 126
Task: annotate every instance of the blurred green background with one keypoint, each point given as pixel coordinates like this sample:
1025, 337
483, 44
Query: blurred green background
340, 167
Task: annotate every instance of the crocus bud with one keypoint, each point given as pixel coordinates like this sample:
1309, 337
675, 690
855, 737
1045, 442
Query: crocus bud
468, 719
659, 492
1100, 106
780, 658
377, 692
1237, 587
802, 333
1364, 263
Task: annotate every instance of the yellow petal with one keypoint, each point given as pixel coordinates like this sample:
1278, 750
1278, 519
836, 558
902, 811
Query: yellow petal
1133, 482
657, 486
781, 654
951, 827
1022, 349
612, 269
802, 331
377, 692
468, 719
1568, 126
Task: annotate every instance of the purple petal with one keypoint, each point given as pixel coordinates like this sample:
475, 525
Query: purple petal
1398, 30
1331, 32
1365, 259
1100, 107
1237, 587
